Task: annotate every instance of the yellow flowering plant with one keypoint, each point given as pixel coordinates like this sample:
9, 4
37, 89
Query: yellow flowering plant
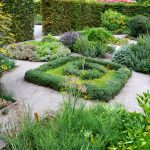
6, 37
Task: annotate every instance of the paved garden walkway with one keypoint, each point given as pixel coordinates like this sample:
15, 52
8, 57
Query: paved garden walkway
41, 98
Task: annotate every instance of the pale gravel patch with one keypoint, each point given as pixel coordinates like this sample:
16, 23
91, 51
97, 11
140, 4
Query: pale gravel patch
137, 84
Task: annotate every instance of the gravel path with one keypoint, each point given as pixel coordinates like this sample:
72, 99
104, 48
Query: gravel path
137, 84
41, 98
38, 32
38, 98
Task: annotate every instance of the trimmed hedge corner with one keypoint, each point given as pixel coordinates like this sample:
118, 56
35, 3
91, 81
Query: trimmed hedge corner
61, 16
22, 12
102, 79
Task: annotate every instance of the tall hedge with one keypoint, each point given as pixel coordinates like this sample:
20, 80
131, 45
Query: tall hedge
37, 8
61, 16
22, 12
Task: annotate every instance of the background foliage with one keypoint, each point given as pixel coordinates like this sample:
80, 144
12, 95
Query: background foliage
62, 16
6, 37
22, 12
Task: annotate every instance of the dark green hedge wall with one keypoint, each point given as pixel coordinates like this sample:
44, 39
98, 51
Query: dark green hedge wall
22, 12
37, 8
61, 16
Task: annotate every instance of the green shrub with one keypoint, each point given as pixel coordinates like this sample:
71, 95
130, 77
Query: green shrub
120, 55
22, 12
138, 137
77, 127
114, 21
49, 48
139, 25
136, 57
99, 35
103, 85
62, 16
6, 37
89, 48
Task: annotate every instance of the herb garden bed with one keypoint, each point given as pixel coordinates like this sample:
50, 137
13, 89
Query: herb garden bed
101, 79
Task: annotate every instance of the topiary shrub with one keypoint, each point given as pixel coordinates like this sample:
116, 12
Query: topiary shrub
139, 25
114, 21
136, 57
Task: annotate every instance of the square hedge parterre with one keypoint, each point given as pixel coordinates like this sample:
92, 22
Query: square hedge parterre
102, 80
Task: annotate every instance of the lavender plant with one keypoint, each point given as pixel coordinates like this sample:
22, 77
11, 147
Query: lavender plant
69, 38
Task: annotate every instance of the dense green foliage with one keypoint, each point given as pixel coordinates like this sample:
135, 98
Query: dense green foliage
139, 25
47, 49
61, 16
22, 12
5, 38
120, 55
89, 48
114, 21
94, 42
98, 34
37, 7
136, 57
100, 127
105, 85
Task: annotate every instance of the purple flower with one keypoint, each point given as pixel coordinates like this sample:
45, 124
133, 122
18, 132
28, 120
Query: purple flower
69, 38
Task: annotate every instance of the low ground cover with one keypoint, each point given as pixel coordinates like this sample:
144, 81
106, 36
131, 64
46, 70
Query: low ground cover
102, 80
47, 49
76, 127
91, 42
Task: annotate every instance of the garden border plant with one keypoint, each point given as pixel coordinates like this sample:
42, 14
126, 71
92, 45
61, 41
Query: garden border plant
95, 91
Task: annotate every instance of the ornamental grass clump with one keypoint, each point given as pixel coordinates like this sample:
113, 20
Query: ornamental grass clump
79, 127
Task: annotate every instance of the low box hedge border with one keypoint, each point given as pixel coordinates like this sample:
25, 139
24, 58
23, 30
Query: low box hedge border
95, 92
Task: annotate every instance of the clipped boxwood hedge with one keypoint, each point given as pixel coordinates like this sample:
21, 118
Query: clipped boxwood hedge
22, 12
61, 16
103, 86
